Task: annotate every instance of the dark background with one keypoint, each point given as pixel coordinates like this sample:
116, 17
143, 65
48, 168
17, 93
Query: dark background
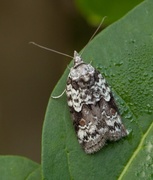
27, 73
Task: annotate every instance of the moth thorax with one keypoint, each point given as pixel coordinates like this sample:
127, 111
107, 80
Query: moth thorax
82, 72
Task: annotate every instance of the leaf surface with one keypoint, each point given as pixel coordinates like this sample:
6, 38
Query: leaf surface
123, 53
18, 168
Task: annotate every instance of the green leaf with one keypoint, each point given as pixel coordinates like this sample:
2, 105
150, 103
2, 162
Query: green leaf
18, 168
35, 175
140, 164
94, 10
123, 52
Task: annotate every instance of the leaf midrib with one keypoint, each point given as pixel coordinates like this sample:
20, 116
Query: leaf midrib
135, 152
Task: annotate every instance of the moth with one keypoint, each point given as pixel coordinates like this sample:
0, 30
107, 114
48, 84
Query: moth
95, 114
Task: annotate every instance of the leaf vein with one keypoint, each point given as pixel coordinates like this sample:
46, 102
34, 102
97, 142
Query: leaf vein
135, 153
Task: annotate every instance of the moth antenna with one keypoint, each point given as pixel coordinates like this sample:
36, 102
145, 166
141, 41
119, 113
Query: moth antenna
56, 97
94, 33
52, 50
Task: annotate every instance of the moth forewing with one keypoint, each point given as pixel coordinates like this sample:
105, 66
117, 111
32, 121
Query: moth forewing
94, 112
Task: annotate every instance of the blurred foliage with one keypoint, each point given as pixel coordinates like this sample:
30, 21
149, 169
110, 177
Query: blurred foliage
94, 10
19, 168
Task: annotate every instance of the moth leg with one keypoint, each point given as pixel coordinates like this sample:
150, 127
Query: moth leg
56, 97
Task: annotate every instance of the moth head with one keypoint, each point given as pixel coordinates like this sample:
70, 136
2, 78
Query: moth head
77, 59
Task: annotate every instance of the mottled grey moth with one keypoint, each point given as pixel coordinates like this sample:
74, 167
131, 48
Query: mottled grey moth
95, 115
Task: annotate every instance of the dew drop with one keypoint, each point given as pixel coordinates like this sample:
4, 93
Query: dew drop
118, 64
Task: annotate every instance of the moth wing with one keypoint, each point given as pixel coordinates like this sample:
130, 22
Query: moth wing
96, 124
